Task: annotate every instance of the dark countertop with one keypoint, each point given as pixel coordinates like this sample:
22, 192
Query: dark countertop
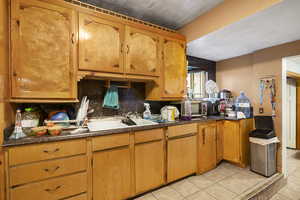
68, 136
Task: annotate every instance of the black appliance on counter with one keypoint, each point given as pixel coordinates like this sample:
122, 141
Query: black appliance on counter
213, 107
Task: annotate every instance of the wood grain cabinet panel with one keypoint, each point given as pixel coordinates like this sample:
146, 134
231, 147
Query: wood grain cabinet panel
219, 133
231, 150
181, 157
149, 166
207, 155
79, 197
43, 51
110, 141
42, 170
112, 174
236, 141
52, 189
39, 152
174, 69
100, 44
142, 52
180, 130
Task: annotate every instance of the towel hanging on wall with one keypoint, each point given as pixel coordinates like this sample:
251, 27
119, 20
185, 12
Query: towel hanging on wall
111, 99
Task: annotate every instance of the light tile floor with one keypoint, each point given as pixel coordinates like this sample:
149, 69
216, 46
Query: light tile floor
226, 182
291, 191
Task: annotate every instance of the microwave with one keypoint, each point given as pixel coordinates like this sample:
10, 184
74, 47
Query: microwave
199, 108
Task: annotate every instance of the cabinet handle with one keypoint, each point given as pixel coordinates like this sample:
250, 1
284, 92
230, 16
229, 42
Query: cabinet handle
116, 66
128, 49
122, 46
73, 38
18, 22
203, 136
53, 189
52, 170
153, 70
132, 66
14, 73
55, 150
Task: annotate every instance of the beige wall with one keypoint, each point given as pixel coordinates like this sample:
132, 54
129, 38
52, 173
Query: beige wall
224, 14
244, 72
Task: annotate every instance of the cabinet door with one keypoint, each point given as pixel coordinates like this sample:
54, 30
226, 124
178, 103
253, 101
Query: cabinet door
142, 52
219, 141
43, 49
231, 139
182, 157
174, 69
111, 174
100, 45
2, 176
246, 126
207, 155
149, 166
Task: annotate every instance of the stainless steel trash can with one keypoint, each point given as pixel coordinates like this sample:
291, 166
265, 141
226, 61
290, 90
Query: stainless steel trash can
263, 158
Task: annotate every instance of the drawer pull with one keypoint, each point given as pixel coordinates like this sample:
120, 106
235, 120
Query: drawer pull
55, 150
51, 170
54, 189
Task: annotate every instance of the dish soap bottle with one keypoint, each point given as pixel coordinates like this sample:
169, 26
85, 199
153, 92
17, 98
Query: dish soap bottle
18, 132
147, 112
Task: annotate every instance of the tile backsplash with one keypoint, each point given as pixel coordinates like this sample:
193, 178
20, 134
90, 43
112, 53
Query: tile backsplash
130, 99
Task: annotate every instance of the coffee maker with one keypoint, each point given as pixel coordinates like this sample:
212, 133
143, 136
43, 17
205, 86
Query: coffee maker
213, 107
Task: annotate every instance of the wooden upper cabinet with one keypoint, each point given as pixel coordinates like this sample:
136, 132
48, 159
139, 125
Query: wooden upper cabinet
100, 44
142, 52
43, 38
174, 68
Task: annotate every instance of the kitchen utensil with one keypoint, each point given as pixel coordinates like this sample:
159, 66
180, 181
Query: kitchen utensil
224, 94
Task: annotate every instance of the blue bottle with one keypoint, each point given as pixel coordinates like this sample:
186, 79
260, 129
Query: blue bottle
243, 104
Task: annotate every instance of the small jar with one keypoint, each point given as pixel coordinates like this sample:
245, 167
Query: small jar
30, 119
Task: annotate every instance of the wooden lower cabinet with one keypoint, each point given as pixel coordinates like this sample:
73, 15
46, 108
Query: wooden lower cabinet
149, 166
51, 189
2, 176
236, 141
112, 174
181, 157
219, 135
207, 155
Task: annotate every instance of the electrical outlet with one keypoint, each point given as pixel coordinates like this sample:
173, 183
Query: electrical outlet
261, 110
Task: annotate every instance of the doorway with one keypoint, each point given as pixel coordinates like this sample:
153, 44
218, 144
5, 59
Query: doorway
290, 109
291, 114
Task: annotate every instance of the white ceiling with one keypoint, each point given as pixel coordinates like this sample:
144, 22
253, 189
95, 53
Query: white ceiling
273, 26
169, 13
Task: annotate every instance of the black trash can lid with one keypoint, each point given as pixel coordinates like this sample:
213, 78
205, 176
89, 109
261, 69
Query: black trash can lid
264, 122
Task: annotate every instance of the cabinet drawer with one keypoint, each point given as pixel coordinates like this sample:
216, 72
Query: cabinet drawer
52, 189
110, 141
78, 197
148, 136
174, 131
46, 169
37, 152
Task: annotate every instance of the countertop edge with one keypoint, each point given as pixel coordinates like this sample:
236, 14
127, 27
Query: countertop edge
46, 139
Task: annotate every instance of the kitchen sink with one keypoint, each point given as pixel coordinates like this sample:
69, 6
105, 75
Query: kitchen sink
115, 123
